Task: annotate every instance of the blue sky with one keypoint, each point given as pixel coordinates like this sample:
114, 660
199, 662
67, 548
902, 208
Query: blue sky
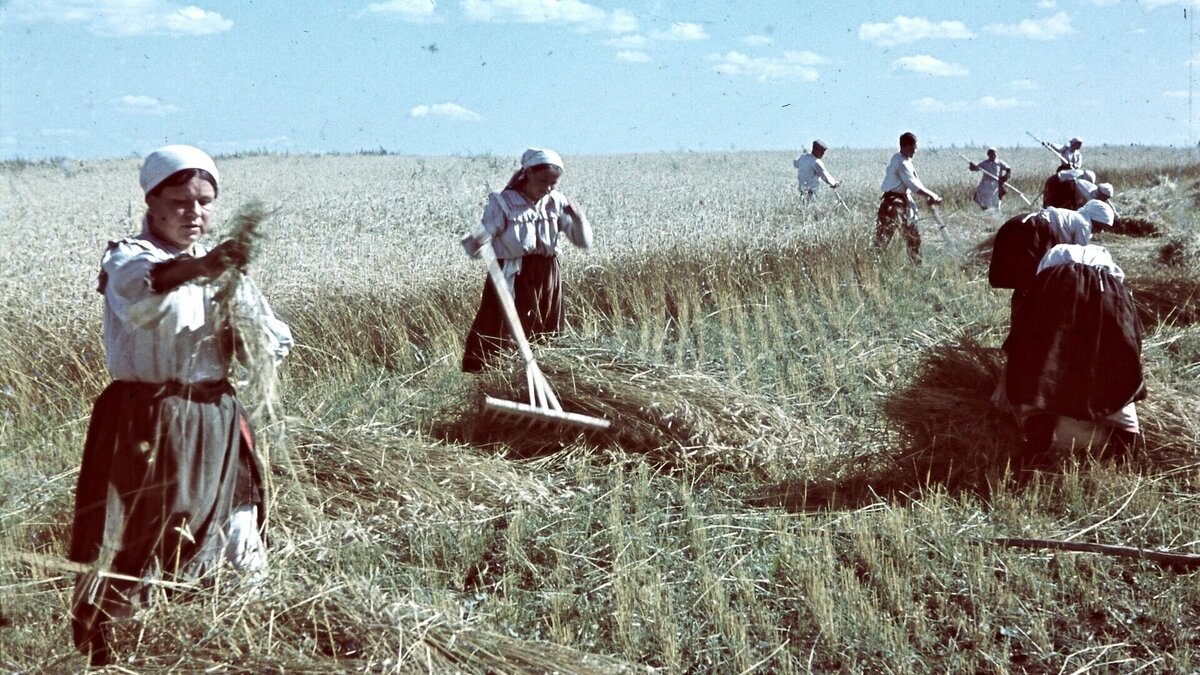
114, 78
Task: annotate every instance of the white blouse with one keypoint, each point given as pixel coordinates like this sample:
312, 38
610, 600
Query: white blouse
159, 337
519, 227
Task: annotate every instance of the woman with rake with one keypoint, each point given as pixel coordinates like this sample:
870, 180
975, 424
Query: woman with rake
523, 223
170, 485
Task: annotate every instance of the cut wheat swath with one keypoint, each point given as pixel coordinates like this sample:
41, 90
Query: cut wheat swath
543, 404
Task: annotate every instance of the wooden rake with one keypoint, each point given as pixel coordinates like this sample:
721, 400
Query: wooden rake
543, 405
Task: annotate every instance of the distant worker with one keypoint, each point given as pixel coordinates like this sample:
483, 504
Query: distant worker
810, 171
1072, 157
898, 208
991, 186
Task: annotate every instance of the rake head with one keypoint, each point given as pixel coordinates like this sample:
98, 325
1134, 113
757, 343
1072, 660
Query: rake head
533, 415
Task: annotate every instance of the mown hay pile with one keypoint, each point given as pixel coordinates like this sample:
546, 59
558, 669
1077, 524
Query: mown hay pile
310, 625
1134, 227
1173, 300
677, 418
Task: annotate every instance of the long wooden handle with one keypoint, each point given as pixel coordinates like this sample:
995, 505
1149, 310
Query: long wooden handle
496, 274
1175, 561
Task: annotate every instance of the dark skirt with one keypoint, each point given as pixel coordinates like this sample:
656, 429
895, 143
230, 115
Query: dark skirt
1075, 345
537, 291
1058, 192
164, 466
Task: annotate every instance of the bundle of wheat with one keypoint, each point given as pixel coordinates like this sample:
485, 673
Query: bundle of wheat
259, 380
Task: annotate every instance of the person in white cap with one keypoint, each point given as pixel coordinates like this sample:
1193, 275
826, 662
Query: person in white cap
170, 483
996, 173
897, 208
810, 171
523, 223
1071, 154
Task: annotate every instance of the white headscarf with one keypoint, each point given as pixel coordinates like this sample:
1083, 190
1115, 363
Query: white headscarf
1098, 211
163, 162
538, 156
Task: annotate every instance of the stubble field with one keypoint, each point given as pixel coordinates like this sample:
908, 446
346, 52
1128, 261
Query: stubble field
805, 474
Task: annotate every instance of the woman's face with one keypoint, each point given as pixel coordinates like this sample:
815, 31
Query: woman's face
540, 180
181, 214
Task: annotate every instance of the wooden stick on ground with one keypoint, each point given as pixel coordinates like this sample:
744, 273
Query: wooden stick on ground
1176, 562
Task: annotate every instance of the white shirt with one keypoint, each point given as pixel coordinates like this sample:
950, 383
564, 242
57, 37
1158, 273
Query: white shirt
810, 171
159, 337
987, 194
1075, 228
1092, 254
1085, 190
519, 227
1072, 158
901, 176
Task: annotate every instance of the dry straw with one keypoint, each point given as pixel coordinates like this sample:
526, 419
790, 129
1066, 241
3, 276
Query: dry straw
678, 418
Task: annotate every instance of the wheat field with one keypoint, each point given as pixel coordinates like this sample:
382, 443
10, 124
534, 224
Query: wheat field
804, 475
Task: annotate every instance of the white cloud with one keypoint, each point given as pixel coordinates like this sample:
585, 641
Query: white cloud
8, 140
1046, 28
791, 66
451, 111
122, 18
192, 20
1046, 4
1024, 84
146, 105
928, 65
758, 40
1177, 93
683, 31
569, 12
903, 30
627, 42
633, 56
1006, 103
932, 105
621, 21
415, 11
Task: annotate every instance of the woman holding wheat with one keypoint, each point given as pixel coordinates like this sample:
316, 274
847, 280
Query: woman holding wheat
170, 484
523, 222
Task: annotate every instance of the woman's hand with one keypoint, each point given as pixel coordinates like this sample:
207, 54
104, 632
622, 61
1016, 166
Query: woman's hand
229, 254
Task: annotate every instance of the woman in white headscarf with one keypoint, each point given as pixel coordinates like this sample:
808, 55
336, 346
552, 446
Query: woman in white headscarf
523, 222
170, 484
